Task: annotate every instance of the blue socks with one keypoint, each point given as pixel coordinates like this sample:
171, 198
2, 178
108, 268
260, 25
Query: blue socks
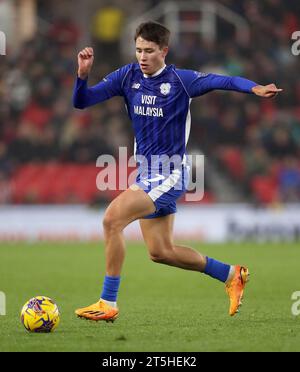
214, 268
110, 288
217, 269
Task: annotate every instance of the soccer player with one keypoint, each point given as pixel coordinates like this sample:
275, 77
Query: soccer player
157, 98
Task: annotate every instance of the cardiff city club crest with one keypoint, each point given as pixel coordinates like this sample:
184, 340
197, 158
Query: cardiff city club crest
165, 88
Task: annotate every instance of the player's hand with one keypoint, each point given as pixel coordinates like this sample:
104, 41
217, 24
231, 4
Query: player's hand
85, 61
268, 91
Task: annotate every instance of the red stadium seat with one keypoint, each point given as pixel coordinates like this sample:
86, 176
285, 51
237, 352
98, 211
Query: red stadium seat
58, 183
265, 189
233, 160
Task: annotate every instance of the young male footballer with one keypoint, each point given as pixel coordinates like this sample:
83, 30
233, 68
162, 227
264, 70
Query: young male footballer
157, 98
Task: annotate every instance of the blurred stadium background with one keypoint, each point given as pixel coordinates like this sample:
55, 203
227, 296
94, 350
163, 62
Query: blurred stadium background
48, 150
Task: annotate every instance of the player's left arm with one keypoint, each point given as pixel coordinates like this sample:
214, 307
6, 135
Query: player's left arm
240, 84
204, 83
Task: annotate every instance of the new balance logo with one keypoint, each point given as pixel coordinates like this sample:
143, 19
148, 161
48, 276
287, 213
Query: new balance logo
136, 85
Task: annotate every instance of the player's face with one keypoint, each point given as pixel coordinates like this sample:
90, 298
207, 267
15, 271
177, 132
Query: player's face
150, 56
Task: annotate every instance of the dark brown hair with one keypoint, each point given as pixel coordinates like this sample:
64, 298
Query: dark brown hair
153, 31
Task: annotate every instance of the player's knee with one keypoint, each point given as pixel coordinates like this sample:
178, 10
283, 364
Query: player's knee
157, 258
161, 255
111, 223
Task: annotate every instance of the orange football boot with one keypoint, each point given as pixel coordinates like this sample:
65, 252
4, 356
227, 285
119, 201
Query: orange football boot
98, 311
235, 288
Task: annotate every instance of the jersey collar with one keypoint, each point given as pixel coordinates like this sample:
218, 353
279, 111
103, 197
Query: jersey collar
156, 73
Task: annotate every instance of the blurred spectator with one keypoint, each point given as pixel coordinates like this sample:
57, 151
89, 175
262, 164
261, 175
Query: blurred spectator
281, 144
231, 130
257, 161
46, 148
22, 148
5, 189
65, 32
86, 147
18, 89
289, 181
5, 162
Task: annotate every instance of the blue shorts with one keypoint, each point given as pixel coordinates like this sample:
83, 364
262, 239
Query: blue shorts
165, 190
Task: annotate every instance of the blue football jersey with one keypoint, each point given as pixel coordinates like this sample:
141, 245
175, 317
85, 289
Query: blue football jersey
159, 105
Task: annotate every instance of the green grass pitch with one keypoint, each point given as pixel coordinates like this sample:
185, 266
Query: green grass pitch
161, 308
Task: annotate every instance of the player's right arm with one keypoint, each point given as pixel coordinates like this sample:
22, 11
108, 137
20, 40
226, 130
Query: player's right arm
111, 86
